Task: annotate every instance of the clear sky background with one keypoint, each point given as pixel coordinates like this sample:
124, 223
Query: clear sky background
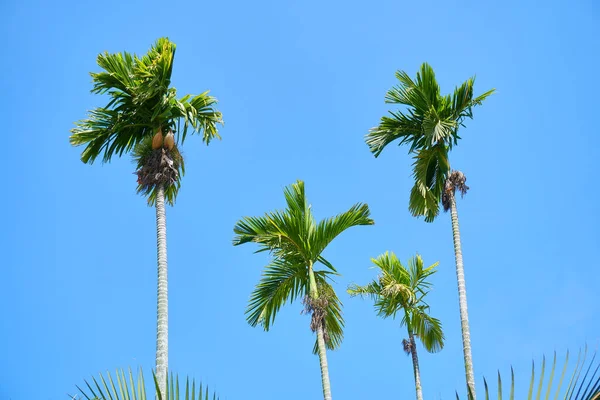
299, 83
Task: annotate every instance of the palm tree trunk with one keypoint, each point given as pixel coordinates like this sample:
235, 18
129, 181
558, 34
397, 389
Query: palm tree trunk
162, 326
415, 361
314, 293
462, 300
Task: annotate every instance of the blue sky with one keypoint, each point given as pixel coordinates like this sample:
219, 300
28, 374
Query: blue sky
299, 84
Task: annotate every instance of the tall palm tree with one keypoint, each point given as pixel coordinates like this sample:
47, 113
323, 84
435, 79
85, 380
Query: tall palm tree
430, 127
401, 290
297, 242
143, 114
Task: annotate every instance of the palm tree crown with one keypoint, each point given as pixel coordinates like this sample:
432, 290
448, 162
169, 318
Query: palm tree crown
430, 126
141, 103
297, 242
400, 289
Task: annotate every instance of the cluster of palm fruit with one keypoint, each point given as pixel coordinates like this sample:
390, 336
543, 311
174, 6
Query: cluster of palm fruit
168, 142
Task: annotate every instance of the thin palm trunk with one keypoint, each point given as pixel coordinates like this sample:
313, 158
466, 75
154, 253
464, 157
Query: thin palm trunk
314, 293
415, 362
462, 299
162, 326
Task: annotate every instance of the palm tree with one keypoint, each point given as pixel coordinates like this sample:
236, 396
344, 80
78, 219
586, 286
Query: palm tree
297, 242
430, 126
144, 115
401, 290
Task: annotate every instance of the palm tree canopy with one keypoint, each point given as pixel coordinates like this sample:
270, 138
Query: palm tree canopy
430, 117
430, 126
400, 289
141, 102
297, 242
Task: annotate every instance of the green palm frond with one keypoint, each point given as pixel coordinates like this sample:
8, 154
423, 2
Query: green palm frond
430, 169
281, 281
427, 328
400, 289
418, 274
140, 102
125, 387
277, 232
371, 290
328, 229
421, 95
579, 387
397, 127
294, 230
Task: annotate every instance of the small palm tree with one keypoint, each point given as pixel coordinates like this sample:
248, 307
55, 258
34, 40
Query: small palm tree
144, 115
430, 127
297, 242
401, 290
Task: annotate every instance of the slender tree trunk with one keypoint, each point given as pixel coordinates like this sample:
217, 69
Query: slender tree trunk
314, 293
462, 299
415, 361
162, 326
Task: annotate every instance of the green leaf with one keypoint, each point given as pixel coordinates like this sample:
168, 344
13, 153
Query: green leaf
282, 281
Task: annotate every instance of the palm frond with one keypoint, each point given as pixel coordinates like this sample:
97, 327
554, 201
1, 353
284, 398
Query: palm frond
586, 387
328, 229
400, 126
199, 113
282, 281
276, 232
371, 289
427, 328
419, 274
282, 233
125, 387
430, 169
119, 75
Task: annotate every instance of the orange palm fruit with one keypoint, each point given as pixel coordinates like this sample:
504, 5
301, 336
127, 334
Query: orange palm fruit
157, 140
169, 140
